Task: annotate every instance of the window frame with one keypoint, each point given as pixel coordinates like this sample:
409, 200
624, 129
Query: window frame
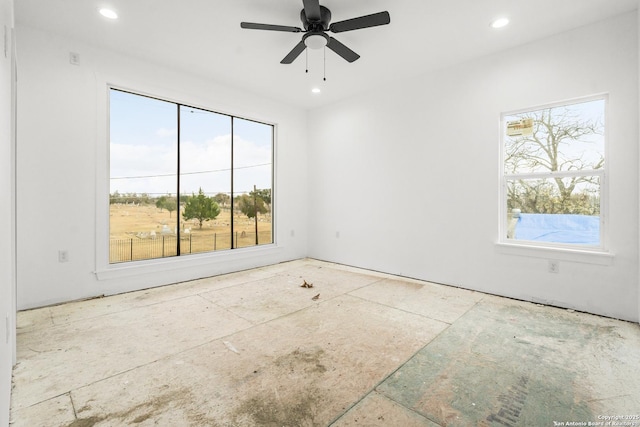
106, 270
530, 247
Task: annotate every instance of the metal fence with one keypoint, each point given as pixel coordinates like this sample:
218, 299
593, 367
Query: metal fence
136, 249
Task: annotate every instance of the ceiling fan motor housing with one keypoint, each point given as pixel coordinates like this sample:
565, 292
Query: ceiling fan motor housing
317, 25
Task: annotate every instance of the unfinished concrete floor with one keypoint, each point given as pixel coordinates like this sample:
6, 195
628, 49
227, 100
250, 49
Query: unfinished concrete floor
256, 349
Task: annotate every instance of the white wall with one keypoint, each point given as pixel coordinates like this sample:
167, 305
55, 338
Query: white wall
407, 173
61, 164
7, 243
427, 146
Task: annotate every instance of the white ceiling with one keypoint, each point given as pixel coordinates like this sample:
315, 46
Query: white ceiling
204, 37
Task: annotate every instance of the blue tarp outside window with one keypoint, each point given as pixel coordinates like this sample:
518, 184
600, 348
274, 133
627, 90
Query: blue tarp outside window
559, 228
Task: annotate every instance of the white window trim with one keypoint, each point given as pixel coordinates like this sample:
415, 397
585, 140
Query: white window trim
577, 253
104, 270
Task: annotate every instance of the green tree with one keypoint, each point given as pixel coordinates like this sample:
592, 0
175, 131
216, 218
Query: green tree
170, 205
264, 194
166, 202
115, 197
160, 202
251, 205
200, 207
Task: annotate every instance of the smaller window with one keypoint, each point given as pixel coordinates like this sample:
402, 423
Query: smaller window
553, 161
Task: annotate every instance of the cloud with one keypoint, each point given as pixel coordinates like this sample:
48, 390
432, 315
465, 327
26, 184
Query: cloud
203, 164
164, 132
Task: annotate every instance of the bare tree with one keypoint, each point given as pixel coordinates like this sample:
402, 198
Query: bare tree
550, 146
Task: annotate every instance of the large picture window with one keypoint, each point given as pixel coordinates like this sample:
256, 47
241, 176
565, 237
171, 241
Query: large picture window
185, 180
554, 175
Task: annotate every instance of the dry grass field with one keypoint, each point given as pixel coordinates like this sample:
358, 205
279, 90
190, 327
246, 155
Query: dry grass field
136, 231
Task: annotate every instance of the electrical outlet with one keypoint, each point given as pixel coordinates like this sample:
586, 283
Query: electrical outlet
74, 58
63, 256
554, 266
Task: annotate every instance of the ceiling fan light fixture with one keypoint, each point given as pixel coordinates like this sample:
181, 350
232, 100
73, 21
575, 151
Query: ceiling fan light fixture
315, 41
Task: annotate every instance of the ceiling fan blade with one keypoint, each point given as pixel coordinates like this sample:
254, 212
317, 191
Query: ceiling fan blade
342, 50
295, 52
254, 26
373, 20
312, 9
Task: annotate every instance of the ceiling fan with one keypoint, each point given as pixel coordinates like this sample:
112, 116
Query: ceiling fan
315, 20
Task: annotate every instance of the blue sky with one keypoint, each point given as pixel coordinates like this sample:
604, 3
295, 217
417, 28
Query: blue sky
143, 134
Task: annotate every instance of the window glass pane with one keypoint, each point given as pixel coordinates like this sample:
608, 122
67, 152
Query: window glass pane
560, 210
143, 159
563, 138
205, 180
252, 182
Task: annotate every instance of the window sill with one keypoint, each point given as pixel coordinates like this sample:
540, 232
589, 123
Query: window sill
137, 268
597, 257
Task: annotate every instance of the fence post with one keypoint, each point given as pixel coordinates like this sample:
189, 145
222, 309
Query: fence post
190, 243
163, 246
131, 249
214, 241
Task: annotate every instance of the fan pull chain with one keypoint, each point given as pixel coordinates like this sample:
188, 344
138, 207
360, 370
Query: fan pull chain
324, 77
306, 51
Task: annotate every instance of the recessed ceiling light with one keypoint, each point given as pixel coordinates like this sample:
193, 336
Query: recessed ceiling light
108, 13
500, 23
315, 90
